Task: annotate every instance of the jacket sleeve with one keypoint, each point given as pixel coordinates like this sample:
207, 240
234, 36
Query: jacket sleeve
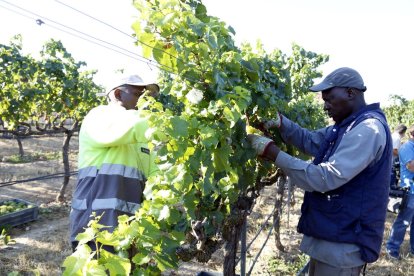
361, 146
306, 141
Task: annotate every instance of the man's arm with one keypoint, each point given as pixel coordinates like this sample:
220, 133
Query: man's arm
410, 165
359, 147
306, 141
114, 126
406, 156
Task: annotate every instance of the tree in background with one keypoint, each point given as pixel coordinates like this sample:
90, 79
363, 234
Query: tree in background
16, 106
45, 96
400, 111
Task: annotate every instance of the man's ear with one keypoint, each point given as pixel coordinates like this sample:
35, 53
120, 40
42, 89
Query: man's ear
117, 94
351, 93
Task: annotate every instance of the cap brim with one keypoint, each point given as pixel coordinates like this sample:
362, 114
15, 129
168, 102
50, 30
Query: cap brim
321, 87
153, 88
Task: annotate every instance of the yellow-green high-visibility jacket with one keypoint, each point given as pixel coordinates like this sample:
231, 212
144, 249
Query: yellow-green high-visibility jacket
114, 163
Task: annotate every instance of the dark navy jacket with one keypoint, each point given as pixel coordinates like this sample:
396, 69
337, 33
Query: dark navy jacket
355, 212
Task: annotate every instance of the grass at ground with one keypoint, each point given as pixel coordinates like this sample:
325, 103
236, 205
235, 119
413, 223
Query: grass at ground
32, 157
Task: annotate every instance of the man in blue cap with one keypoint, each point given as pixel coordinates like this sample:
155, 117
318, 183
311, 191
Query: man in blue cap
346, 186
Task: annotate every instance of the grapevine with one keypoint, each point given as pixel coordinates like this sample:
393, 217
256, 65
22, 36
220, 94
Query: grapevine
209, 175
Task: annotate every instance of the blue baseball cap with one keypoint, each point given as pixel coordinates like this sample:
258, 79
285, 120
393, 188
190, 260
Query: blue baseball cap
341, 77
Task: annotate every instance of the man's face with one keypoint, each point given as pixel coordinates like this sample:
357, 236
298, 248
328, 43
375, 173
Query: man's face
130, 94
337, 103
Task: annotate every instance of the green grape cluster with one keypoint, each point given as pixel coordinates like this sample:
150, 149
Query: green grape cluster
10, 206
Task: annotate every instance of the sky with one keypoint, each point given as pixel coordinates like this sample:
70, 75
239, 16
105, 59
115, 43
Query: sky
375, 37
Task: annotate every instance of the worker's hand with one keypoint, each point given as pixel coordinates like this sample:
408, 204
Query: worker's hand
269, 124
276, 122
259, 143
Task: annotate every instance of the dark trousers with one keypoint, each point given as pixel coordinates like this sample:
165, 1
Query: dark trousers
317, 268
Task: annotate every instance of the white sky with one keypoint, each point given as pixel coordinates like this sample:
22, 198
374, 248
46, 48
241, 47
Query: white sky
374, 37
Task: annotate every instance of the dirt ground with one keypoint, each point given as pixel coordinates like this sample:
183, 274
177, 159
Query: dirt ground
41, 246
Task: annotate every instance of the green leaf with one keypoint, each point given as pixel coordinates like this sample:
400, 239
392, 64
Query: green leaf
165, 261
149, 40
201, 11
74, 263
208, 136
167, 18
179, 126
149, 229
85, 237
191, 74
141, 259
164, 213
221, 158
115, 264
231, 115
212, 40
207, 185
95, 269
107, 238
231, 30
204, 49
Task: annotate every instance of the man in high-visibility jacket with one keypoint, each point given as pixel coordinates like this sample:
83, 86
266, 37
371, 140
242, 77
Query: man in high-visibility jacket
114, 159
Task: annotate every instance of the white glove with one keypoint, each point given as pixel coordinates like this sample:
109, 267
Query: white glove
273, 123
259, 143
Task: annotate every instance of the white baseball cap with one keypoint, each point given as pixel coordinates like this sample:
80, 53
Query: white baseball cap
135, 80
